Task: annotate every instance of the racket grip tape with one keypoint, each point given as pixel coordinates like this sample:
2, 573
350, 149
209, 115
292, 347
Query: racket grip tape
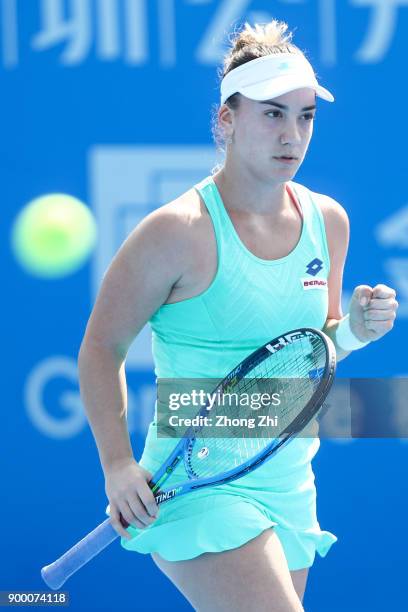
57, 573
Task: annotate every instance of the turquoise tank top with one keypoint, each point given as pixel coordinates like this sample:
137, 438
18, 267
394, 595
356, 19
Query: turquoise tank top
249, 301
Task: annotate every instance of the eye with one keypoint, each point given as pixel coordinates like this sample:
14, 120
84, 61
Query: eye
274, 113
309, 116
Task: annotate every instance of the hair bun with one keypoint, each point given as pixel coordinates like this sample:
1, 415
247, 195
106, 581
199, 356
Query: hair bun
269, 34
257, 41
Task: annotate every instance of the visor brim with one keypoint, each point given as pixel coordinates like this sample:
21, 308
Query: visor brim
277, 87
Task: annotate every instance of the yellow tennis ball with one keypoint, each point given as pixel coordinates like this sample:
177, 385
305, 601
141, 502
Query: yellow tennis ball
53, 235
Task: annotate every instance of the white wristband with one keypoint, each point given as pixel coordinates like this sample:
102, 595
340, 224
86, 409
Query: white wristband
345, 339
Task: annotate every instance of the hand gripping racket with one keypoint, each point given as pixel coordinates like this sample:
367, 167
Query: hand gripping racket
301, 362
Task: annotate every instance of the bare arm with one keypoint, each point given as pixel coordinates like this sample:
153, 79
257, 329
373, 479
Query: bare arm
338, 233
135, 285
372, 311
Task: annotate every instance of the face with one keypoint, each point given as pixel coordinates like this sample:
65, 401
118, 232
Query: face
263, 132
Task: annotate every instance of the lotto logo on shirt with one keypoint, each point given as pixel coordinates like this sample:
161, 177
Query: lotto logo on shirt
314, 267
316, 283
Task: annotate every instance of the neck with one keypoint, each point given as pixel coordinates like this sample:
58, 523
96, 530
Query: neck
242, 191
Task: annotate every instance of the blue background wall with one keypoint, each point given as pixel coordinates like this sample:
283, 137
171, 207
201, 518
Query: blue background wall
110, 101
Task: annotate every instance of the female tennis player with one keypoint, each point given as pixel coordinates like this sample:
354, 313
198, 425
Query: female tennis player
242, 257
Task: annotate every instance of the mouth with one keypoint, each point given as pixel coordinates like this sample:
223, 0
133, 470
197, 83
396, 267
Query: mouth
286, 159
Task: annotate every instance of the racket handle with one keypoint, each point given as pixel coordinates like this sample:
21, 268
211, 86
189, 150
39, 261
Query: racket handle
55, 574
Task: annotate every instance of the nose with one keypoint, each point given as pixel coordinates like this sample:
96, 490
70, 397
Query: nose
290, 133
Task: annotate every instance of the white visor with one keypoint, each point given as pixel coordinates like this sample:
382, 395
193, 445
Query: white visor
271, 76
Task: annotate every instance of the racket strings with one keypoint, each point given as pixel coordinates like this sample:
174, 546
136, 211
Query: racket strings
293, 372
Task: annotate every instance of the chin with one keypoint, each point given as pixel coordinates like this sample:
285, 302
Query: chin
286, 174
290, 171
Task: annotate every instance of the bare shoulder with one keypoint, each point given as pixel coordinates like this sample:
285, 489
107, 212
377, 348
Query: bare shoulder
336, 223
155, 258
184, 212
176, 219
170, 229
334, 214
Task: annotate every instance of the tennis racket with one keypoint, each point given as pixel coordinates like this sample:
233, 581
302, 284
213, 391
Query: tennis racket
302, 361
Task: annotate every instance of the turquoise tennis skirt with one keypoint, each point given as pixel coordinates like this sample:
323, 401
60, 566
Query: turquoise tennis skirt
280, 494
